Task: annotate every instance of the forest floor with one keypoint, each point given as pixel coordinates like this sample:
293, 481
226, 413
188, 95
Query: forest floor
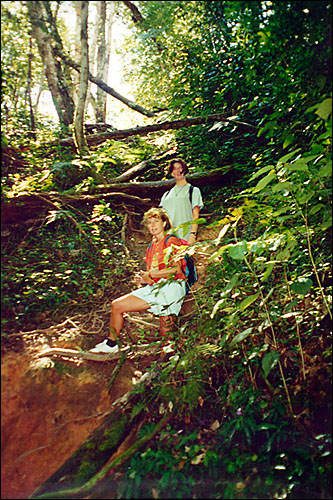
50, 405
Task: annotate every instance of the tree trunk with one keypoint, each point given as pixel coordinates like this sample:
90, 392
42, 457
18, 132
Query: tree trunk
77, 51
59, 90
101, 62
81, 143
31, 109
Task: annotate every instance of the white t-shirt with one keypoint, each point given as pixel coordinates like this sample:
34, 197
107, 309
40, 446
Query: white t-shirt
177, 203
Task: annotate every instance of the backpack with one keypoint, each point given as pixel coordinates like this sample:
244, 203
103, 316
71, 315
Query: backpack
190, 271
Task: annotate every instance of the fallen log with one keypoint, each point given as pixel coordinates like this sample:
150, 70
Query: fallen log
142, 167
142, 195
143, 349
22, 208
154, 189
95, 139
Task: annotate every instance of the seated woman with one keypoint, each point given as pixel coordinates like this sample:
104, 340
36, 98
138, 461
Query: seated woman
165, 290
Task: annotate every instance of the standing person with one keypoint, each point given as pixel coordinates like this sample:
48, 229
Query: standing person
164, 281
182, 205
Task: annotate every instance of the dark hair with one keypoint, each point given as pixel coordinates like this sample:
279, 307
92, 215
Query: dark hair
159, 213
182, 162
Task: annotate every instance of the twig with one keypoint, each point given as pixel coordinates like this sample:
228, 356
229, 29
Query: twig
49, 329
141, 321
123, 234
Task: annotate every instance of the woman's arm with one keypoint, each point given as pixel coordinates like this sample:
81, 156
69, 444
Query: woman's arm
147, 276
194, 228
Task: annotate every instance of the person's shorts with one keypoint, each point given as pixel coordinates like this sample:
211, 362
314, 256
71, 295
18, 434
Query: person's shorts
164, 297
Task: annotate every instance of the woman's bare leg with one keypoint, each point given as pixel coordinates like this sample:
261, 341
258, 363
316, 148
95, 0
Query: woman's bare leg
124, 304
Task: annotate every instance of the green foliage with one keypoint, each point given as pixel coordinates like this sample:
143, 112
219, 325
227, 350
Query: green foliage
255, 453
55, 265
259, 62
250, 373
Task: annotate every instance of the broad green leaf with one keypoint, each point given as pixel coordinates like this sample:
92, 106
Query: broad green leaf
241, 336
282, 210
325, 109
285, 158
263, 170
263, 182
325, 170
326, 224
248, 301
238, 250
316, 208
283, 256
230, 285
256, 246
288, 140
268, 271
300, 165
269, 361
302, 286
282, 185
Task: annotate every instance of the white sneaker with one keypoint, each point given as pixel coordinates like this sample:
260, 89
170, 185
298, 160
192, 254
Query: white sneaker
105, 347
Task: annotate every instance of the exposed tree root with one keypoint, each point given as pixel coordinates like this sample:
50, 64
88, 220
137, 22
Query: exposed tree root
87, 488
103, 450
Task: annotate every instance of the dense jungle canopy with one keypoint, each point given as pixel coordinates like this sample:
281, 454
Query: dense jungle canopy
97, 98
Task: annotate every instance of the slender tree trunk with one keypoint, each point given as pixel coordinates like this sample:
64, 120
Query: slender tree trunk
64, 73
31, 110
60, 95
81, 143
77, 51
109, 23
101, 61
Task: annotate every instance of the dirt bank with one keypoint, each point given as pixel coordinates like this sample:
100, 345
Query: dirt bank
48, 409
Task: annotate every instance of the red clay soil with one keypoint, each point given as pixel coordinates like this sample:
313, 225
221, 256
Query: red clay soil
47, 410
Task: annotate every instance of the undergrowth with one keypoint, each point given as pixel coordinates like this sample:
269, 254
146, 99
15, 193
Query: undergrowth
249, 379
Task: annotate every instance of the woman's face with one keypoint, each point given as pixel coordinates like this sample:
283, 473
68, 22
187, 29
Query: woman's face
155, 225
177, 171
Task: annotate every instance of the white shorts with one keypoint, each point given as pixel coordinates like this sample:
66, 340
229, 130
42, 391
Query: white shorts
164, 297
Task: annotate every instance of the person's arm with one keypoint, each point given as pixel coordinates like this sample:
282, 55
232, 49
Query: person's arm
148, 276
194, 228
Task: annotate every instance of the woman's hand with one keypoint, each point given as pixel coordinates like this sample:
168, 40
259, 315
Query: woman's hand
192, 238
138, 279
142, 277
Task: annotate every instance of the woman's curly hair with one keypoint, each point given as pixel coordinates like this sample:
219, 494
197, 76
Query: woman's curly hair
159, 213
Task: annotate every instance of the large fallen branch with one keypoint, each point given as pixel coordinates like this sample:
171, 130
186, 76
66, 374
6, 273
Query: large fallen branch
95, 139
154, 189
141, 167
142, 195
22, 208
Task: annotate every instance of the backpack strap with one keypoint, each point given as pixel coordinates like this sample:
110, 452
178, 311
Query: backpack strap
190, 193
